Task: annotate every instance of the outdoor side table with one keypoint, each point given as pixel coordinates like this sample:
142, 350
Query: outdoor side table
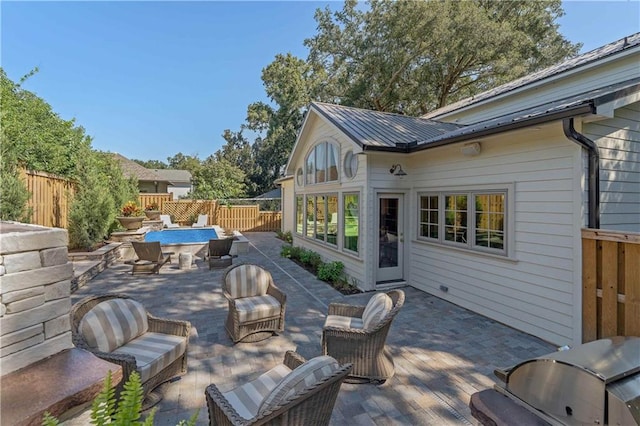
185, 260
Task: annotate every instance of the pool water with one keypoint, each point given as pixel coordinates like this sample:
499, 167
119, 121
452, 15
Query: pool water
178, 236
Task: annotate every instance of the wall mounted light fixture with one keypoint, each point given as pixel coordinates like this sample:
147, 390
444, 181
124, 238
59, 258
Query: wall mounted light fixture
396, 170
470, 149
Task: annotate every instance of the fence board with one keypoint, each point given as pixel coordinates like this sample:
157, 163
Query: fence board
50, 199
145, 199
610, 284
589, 287
632, 290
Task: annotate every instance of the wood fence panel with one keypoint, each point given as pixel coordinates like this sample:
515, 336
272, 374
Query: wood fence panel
610, 284
186, 212
50, 200
144, 199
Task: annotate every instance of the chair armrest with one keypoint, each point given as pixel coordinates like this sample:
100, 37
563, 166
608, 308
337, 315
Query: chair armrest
346, 310
221, 412
169, 326
293, 359
274, 291
126, 361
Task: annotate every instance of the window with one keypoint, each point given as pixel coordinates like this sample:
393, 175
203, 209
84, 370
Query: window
351, 217
350, 165
322, 218
299, 215
470, 219
299, 176
322, 164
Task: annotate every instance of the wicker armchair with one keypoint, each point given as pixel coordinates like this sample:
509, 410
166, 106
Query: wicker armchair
293, 393
256, 305
357, 334
170, 365
219, 250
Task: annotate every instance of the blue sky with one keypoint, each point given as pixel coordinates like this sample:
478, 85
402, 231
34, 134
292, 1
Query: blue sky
151, 79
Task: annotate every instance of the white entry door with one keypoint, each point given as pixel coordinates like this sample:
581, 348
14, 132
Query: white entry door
389, 251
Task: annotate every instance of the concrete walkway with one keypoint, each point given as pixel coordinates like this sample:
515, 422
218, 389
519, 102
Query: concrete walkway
443, 353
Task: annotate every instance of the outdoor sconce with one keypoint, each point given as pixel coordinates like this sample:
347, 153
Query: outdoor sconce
470, 149
396, 170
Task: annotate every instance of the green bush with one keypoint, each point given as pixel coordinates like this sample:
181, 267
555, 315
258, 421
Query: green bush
331, 272
296, 253
285, 251
126, 411
285, 236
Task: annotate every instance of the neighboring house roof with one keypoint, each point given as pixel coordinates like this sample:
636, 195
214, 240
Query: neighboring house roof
568, 65
274, 193
132, 169
375, 128
175, 176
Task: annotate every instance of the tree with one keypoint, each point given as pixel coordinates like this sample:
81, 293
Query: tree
414, 56
218, 180
152, 164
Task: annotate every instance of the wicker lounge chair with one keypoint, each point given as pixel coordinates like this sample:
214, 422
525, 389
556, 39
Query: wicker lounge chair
357, 334
256, 305
166, 221
150, 257
293, 393
154, 347
219, 250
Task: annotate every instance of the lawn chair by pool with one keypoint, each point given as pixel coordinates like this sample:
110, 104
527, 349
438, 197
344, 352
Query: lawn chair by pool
256, 305
357, 334
150, 257
166, 221
219, 250
202, 221
296, 392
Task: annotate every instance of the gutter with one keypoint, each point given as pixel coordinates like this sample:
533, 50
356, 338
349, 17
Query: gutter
594, 170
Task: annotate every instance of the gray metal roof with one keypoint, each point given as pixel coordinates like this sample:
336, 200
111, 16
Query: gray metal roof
381, 129
574, 105
175, 176
570, 64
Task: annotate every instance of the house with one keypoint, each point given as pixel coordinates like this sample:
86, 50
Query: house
179, 181
156, 181
481, 202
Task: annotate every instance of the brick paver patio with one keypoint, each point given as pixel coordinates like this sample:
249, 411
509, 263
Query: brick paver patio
443, 353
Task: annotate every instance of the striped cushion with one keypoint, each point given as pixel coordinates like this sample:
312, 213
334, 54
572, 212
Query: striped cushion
247, 280
257, 307
112, 323
247, 398
339, 321
153, 352
304, 376
377, 308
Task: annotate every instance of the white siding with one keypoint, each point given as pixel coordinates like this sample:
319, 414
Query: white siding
537, 288
618, 140
288, 207
317, 131
572, 83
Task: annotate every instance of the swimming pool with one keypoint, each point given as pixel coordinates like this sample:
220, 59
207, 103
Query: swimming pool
182, 236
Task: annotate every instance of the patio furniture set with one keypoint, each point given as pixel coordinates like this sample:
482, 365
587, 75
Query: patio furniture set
297, 392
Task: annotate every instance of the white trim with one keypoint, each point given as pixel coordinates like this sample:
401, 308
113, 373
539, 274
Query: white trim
608, 109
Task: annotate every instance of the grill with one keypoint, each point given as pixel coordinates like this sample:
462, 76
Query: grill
595, 383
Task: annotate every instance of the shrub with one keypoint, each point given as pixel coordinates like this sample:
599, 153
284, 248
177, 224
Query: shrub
285, 251
90, 218
285, 236
331, 272
296, 253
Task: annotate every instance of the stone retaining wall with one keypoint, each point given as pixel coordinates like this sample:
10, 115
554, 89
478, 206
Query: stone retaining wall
35, 278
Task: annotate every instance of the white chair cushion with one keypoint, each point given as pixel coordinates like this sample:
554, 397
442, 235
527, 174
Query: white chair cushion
247, 281
378, 307
340, 321
153, 352
304, 376
112, 323
257, 307
246, 399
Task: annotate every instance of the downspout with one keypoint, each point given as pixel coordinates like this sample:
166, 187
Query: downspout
594, 170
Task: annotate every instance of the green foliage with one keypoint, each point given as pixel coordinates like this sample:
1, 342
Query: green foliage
13, 191
125, 411
331, 272
285, 251
285, 236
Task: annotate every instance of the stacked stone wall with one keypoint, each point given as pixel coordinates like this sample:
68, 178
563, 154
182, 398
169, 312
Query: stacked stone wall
35, 298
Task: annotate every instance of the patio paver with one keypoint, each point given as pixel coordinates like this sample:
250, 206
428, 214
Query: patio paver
443, 353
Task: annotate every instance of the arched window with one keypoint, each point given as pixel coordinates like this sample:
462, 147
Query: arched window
322, 164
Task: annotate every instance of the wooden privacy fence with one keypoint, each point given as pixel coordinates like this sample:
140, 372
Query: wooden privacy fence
50, 199
610, 284
145, 199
